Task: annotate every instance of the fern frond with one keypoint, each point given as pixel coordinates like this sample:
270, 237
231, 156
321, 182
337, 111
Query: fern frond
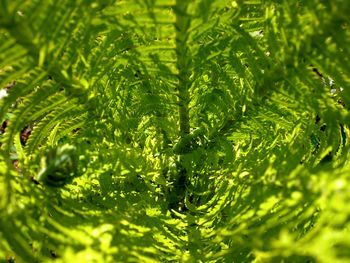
203, 131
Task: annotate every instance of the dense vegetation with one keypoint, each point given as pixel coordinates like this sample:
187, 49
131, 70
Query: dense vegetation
174, 131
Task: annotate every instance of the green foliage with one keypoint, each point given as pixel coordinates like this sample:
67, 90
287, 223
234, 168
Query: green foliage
174, 131
58, 165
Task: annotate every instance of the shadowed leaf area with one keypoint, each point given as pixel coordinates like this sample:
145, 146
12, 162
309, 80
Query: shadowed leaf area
174, 131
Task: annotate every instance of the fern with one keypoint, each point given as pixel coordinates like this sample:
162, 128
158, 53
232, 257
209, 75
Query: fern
174, 131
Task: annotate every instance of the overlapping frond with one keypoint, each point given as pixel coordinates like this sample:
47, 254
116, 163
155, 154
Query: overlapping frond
204, 131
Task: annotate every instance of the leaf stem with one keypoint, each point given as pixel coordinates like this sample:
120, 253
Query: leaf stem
183, 64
